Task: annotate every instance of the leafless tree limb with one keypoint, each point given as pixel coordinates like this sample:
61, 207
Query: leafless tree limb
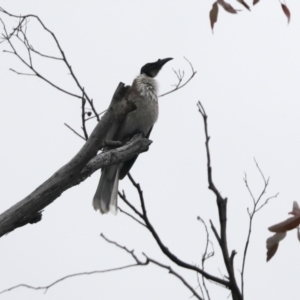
150, 260
21, 73
131, 252
123, 197
256, 207
138, 262
74, 131
171, 271
47, 287
166, 250
222, 210
180, 76
206, 255
20, 30
131, 216
83, 120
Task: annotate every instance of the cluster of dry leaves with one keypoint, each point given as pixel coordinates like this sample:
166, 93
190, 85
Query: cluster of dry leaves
280, 230
213, 15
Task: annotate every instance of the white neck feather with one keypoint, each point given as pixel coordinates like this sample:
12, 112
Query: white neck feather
147, 87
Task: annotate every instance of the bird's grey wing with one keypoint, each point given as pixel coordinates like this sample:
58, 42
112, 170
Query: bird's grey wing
126, 166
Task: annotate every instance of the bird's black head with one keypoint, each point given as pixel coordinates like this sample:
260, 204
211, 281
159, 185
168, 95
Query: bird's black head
152, 69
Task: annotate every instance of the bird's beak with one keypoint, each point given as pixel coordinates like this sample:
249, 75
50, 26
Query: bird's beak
161, 62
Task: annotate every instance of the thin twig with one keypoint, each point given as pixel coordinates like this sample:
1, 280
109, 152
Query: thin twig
29, 48
47, 287
74, 131
171, 271
83, 117
44, 55
252, 213
21, 73
131, 216
150, 260
123, 197
179, 76
131, 252
205, 256
36, 73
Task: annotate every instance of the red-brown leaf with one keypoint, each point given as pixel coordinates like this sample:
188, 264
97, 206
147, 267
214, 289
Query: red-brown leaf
286, 11
296, 210
244, 4
271, 251
213, 15
273, 243
227, 7
288, 224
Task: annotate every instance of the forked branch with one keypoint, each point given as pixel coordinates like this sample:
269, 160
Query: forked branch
257, 205
222, 211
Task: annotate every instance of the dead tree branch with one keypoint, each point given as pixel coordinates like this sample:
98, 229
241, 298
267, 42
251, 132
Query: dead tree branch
161, 245
222, 210
47, 287
256, 207
138, 262
206, 255
78, 134
180, 75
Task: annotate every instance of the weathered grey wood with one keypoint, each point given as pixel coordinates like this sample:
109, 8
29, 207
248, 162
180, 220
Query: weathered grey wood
29, 209
137, 145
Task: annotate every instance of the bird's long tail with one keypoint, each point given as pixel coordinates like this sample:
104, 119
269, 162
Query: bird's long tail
106, 195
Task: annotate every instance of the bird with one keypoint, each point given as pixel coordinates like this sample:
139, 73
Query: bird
143, 94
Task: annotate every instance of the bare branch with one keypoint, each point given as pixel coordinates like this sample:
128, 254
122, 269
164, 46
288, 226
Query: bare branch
222, 211
131, 216
44, 55
131, 252
83, 117
180, 78
36, 73
47, 287
251, 214
166, 250
74, 131
123, 197
205, 256
21, 73
171, 271
148, 260
29, 48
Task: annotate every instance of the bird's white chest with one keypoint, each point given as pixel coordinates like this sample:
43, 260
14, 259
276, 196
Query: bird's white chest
147, 104
147, 87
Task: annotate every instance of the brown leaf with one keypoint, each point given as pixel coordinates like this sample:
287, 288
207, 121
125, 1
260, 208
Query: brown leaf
255, 2
244, 4
288, 224
271, 251
273, 243
227, 7
296, 210
213, 15
286, 11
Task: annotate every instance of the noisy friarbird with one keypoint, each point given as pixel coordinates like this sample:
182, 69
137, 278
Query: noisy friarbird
143, 93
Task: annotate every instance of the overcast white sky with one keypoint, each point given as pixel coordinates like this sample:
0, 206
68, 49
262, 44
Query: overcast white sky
248, 81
